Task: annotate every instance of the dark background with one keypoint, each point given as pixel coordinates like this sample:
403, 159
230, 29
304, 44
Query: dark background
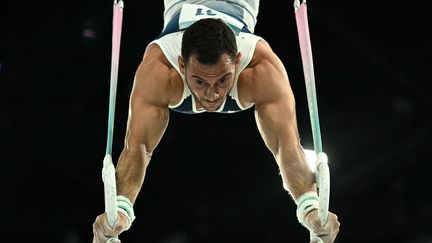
211, 178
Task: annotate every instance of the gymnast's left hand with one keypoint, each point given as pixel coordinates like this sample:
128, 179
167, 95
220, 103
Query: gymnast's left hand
327, 233
103, 233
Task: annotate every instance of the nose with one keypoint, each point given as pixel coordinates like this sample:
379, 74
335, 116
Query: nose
212, 94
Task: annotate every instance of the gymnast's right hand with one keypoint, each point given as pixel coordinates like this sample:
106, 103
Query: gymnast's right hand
326, 233
102, 231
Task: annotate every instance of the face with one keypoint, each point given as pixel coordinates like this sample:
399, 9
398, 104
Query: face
210, 84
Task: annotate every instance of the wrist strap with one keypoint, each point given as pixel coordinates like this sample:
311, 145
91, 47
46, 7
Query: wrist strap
307, 202
125, 207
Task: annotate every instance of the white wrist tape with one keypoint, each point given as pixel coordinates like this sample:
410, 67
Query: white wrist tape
125, 207
307, 202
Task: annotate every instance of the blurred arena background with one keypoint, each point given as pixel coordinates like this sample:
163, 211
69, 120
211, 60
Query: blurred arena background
211, 178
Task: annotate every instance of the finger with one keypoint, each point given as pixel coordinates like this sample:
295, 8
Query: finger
98, 236
335, 230
320, 238
326, 233
324, 238
121, 224
330, 228
313, 223
316, 239
106, 230
113, 240
101, 229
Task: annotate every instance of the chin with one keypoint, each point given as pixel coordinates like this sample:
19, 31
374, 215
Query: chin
213, 107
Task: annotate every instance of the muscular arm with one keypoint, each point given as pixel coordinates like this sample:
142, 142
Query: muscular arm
147, 121
275, 116
276, 121
153, 90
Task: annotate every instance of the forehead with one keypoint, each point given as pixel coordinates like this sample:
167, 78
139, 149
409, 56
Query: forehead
223, 65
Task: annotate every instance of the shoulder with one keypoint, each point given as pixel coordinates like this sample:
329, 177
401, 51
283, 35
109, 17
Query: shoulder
156, 80
265, 78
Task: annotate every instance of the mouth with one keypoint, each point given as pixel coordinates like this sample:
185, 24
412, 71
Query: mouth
212, 105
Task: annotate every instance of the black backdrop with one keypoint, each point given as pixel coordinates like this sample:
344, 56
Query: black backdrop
211, 178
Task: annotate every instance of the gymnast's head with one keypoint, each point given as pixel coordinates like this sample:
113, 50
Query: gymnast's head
209, 59
208, 39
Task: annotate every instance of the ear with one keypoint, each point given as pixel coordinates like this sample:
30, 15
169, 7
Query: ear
181, 64
238, 59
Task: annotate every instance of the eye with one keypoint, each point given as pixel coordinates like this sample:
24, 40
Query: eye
199, 82
223, 81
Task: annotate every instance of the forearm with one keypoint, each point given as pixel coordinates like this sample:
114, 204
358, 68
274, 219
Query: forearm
281, 137
130, 172
296, 174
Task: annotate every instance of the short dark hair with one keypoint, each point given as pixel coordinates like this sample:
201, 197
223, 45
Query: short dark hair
208, 39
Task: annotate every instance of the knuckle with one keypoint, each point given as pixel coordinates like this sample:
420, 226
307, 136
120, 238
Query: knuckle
96, 227
316, 222
99, 217
118, 228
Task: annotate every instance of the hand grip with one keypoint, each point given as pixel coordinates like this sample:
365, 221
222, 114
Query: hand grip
110, 190
322, 177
